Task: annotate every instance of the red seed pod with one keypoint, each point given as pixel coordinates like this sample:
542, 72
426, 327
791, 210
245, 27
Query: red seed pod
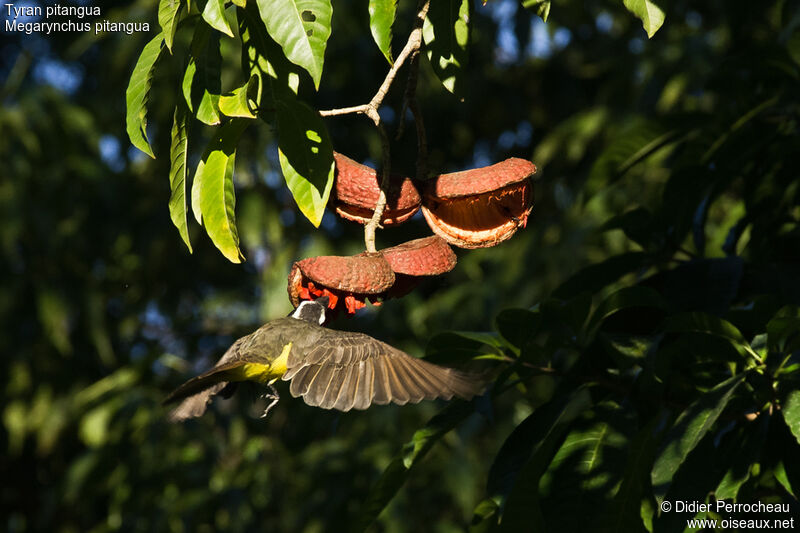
347, 281
356, 191
429, 256
481, 207
412, 261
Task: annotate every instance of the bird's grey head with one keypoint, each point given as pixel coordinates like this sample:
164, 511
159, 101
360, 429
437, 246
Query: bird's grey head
311, 310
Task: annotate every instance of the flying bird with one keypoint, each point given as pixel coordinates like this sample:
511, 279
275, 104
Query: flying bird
330, 369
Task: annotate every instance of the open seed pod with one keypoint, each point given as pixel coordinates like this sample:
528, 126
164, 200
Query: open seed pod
481, 207
357, 188
412, 261
347, 281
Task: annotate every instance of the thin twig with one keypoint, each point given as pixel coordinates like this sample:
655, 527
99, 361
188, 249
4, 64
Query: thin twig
371, 110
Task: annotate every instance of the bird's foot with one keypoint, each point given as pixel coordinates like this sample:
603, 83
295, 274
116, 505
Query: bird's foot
271, 395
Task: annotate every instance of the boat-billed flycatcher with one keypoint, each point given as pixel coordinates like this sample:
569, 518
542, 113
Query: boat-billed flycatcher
328, 368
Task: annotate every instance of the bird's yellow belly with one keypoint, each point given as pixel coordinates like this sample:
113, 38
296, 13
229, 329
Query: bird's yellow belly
261, 372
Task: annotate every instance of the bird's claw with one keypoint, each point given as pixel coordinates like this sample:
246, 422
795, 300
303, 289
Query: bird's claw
271, 395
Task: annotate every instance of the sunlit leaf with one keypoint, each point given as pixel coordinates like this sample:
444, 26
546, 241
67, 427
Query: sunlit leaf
137, 94
306, 157
214, 182
540, 7
242, 101
201, 81
301, 28
178, 152
648, 12
168, 11
446, 33
791, 413
214, 14
690, 427
278, 78
381, 19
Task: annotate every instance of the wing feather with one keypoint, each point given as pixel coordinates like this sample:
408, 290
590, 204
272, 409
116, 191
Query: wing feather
382, 393
363, 391
343, 370
318, 386
347, 391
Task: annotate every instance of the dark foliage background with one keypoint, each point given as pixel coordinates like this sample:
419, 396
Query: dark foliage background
643, 328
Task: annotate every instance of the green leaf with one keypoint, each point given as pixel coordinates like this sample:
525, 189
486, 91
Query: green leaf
306, 157
791, 413
446, 33
632, 144
598, 275
690, 427
177, 174
301, 28
213, 181
522, 511
214, 14
399, 470
241, 102
453, 347
710, 325
585, 471
168, 11
54, 316
262, 57
518, 325
381, 18
747, 451
624, 513
137, 94
783, 330
201, 81
541, 7
625, 298
648, 12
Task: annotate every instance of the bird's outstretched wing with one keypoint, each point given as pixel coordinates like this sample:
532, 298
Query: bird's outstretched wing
345, 370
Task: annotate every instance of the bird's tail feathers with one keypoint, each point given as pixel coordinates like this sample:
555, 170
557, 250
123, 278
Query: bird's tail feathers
195, 405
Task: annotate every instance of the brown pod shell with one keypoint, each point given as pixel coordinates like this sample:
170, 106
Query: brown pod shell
429, 256
481, 207
364, 274
480, 180
356, 192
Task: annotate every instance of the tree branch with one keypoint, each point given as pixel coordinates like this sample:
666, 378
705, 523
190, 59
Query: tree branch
371, 110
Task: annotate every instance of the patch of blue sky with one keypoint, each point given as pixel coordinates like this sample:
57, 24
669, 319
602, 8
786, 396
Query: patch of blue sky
604, 22
63, 76
111, 152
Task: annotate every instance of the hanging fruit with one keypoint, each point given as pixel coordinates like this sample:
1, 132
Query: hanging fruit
415, 260
348, 281
357, 188
481, 207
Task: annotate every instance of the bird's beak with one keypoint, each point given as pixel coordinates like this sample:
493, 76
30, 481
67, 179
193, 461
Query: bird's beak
324, 300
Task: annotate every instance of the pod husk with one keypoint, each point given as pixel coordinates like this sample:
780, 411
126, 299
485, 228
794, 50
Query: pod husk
481, 207
356, 191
